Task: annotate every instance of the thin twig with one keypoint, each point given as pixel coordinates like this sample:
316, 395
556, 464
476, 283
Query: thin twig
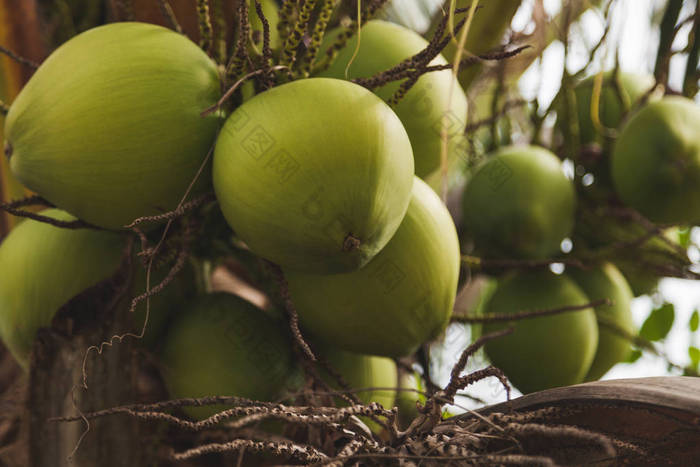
498, 317
169, 15
18, 58
235, 86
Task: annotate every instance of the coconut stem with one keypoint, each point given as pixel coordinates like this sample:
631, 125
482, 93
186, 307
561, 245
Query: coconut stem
169, 15
8, 150
317, 36
205, 28
289, 51
351, 243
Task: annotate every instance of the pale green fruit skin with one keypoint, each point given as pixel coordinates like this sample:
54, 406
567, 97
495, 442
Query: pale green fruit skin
336, 162
222, 345
364, 371
164, 305
656, 161
41, 268
406, 400
401, 299
607, 282
109, 126
384, 45
519, 203
611, 108
547, 351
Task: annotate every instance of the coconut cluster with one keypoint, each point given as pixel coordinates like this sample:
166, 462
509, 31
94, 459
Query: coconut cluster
317, 175
519, 206
326, 179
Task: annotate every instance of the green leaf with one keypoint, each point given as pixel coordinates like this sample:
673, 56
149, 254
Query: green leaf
694, 354
633, 356
659, 323
694, 321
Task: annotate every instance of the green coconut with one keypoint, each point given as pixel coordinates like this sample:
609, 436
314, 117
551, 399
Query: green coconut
519, 203
42, 267
314, 175
221, 345
384, 45
608, 282
365, 375
165, 304
656, 161
408, 397
546, 351
109, 126
618, 95
401, 299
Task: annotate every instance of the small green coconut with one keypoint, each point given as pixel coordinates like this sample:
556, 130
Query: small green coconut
519, 203
656, 161
365, 375
546, 351
617, 96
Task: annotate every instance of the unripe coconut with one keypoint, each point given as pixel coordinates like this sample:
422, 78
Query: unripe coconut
546, 351
109, 126
656, 161
384, 45
221, 345
314, 175
607, 282
618, 95
165, 304
42, 267
519, 203
367, 372
364, 374
407, 398
401, 299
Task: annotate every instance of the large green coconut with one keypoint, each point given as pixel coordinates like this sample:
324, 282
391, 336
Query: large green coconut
314, 175
384, 45
42, 267
545, 351
401, 299
109, 126
607, 282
